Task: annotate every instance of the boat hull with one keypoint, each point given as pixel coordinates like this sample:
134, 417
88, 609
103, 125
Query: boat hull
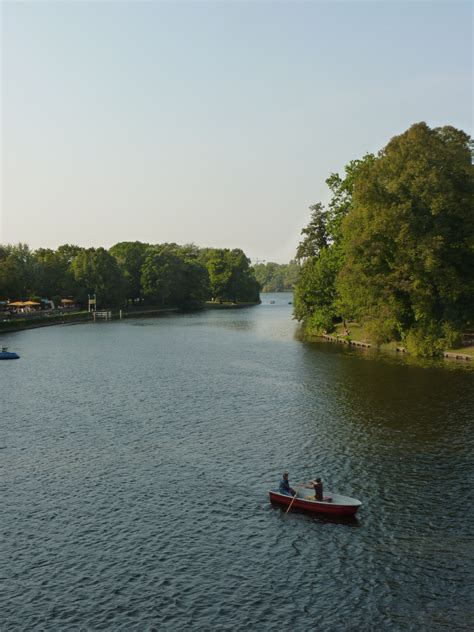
340, 505
9, 355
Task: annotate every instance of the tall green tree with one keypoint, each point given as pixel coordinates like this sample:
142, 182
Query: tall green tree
409, 238
171, 279
321, 253
131, 256
96, 271
219, 273
242, 286
51, 274
17, 271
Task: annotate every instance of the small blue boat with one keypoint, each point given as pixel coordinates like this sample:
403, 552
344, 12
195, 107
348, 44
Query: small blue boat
8, 355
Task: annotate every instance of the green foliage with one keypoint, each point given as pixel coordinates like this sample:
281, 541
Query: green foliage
197, 288
315, 293
17, 271
277, 277
424, 339
130, 256
230, 274
172, 277
317, 300
408, 239
96, 271
403, 227
242, 286
166, 274
219, 273
381, 327
316, 234
452, 337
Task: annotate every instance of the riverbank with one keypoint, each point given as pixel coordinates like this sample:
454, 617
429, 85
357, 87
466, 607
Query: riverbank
356, 336
48, 320
43, 321
213, 305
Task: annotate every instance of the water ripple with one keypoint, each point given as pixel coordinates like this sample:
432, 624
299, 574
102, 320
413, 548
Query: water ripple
135, 465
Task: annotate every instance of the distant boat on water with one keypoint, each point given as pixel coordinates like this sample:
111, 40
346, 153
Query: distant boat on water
8, 355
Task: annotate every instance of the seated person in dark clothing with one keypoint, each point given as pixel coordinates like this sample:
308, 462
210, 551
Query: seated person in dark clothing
318, 489
284, 487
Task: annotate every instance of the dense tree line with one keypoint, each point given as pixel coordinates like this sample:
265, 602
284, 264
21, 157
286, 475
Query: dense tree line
277, 277
394, 248
129, 272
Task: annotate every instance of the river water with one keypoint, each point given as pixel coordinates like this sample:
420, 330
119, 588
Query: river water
136, 457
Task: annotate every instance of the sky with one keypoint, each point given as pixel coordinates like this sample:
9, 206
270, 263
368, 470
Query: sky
213, 123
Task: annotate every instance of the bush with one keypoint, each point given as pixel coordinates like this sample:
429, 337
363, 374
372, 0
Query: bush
452, 337
320, 321
424, 339
380, 331
381, 325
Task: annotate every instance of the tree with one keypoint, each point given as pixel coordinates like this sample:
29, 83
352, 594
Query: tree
51, 273
130, 256
219, 273
315, 234
242, 286
171, 280
277, 277
196, 285
317, 301
96, 271
17, 271
409, 236
315, 293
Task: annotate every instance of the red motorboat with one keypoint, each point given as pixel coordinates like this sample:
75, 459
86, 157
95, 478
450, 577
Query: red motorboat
333, 504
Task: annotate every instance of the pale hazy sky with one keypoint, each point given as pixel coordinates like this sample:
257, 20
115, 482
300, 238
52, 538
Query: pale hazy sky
210, 122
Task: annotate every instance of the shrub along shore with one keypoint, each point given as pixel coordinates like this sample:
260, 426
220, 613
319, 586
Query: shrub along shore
355, 335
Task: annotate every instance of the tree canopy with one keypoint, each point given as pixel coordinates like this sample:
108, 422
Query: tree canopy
231, 276
395, 248
277, 277
129, 272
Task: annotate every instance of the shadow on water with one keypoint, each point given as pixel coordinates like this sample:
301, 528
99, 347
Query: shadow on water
386, 357
349, 521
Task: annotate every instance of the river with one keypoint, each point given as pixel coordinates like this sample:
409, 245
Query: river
136, 458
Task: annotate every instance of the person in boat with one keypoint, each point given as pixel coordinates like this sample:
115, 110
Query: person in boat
284, 487
318, 489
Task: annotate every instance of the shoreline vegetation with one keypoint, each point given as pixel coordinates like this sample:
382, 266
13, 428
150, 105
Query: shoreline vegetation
72, 318
357, 337
131, 276
389, 261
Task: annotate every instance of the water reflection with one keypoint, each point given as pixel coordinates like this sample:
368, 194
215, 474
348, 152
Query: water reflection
348, 521
139, 455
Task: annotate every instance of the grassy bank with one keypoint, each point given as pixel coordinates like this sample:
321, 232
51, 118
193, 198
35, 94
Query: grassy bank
359, 334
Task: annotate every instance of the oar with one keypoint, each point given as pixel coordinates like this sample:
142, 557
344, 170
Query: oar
294, 497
